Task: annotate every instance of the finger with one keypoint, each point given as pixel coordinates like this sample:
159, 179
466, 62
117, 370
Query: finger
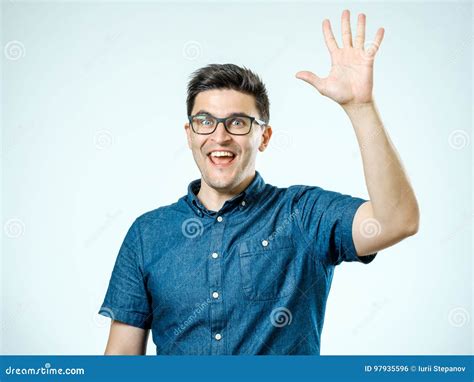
346, 29
379, 37
331, 42
312, 79
360, 37
372, 49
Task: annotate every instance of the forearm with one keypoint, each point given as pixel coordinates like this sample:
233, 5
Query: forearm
393, 200
126, 340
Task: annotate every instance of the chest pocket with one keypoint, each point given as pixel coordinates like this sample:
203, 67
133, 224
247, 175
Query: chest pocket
267, 268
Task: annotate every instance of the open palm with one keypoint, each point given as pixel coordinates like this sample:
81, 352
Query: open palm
350, 80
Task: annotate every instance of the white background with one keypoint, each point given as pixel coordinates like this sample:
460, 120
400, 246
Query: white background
93, 108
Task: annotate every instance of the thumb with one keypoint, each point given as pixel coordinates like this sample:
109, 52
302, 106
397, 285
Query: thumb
311, 79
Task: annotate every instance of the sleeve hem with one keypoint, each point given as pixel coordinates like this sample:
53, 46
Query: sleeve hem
134, 319
348, 240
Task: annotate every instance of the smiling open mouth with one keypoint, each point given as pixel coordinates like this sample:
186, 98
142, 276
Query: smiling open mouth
221, 158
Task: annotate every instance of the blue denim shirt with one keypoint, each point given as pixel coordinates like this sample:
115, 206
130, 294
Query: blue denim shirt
251, 278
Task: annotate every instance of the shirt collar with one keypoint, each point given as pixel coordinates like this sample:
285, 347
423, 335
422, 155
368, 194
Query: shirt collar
244, 199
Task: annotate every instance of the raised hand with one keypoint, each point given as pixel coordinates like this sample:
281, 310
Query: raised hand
350, 81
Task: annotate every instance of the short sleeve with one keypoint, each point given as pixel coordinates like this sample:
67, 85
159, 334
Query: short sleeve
126, 299
326, 221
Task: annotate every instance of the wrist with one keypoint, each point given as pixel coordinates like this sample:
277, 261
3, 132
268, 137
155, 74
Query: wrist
357, 108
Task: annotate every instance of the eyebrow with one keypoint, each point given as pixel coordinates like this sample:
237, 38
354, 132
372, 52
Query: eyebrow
234, 114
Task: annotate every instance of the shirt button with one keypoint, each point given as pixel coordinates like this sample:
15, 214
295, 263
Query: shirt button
215, 294
219, 219
215, 255
264, 243
243, 202
218, 336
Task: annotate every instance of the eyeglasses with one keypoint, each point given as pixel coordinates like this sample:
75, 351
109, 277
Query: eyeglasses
205, 124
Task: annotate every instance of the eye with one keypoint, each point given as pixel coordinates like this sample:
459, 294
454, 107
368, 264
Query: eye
204, 120
238, 122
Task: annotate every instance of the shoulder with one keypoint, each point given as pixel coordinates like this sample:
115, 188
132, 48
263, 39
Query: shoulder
292, 191
162, 214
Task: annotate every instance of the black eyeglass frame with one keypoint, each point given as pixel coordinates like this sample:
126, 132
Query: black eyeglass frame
223, 120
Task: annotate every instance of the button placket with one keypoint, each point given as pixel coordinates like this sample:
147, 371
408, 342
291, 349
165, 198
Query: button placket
216, 306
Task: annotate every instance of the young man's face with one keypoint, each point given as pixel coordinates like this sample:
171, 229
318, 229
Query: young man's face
216, 173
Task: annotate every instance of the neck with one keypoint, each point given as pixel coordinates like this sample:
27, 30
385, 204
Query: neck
214, 199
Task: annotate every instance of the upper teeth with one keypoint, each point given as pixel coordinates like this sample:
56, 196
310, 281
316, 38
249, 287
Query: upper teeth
222, 154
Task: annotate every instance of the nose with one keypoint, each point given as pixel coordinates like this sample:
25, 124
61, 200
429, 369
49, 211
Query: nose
220, 134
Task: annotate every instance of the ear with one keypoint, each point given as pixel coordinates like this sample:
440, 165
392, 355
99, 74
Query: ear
187, 128
266, 135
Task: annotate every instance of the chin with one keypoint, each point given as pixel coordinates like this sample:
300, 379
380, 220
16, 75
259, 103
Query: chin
221, 180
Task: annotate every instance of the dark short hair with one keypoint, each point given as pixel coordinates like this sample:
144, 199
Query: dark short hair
229, 76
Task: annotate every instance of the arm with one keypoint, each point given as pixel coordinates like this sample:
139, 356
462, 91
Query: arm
392, 213
126, 340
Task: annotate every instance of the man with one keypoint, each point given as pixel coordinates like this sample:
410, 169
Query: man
238, 266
